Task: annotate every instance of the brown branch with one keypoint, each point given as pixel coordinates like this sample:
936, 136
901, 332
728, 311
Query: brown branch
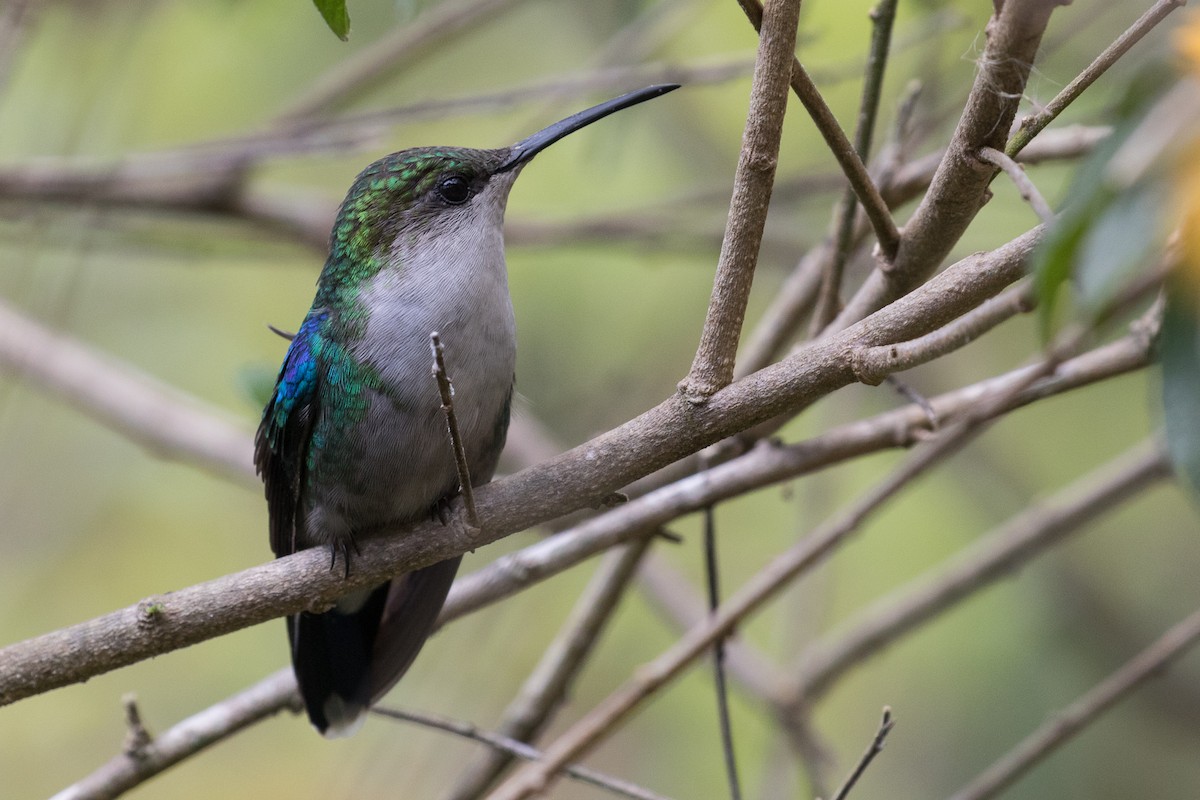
1064, 725
165, 420
446, 392
769, 464
712, 368
873, 364
127, 770
515, 748
835, 138
1033, 124
892, 429
874, 749
546, 688
582, 477
649, 678
997, 555
1029, 192
829, 300
959, 187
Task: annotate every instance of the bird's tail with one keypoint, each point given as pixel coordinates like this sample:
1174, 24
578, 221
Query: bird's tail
349, 657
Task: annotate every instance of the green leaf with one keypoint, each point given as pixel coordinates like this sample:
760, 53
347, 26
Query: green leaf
1180, 348
336, 16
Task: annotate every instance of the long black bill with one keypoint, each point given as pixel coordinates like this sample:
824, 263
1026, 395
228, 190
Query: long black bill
526, 149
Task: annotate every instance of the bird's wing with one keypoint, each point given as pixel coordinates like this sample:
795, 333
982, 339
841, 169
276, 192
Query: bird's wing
282, 442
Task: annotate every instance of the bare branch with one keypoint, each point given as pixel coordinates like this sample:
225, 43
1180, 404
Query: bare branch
127, 770
582, 477
827, 124
712, 368
446, 391
959, 186
1029, 192
163, 419
1032, 125
546, 688
649, 678
829, 301
1077, 716
518, 749
874, 749
996, 555
873, 364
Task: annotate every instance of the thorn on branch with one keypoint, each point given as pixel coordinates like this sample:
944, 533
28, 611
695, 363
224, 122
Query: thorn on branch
446, 390
280, 332
137, 739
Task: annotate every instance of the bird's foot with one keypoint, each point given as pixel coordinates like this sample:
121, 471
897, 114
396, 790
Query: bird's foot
343, 545
441, 510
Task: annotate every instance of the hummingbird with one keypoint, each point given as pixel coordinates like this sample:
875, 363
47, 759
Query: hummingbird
354, 440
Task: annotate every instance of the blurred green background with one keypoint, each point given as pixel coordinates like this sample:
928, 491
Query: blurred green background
607, 325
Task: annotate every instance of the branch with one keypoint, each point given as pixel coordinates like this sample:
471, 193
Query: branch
1029, 192
829, 301
874, 749
518, 749
959, 187
1148, 664
1032, 125
582, 477
712, 368
768, 464
996, 555
873, 364
192, 735
546, 688
163, 419
649, 678
892, 429
835, 138
446, 392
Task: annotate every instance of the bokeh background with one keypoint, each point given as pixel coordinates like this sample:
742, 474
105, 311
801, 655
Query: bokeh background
608, 317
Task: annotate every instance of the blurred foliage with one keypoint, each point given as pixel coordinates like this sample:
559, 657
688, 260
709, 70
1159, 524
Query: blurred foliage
607, 328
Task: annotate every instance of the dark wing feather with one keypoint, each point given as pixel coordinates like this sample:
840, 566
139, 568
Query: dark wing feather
281, 444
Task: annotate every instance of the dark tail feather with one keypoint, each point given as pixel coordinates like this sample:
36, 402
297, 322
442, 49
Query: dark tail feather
413, 603
331, 654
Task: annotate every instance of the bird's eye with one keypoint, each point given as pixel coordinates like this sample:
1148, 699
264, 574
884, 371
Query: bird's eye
454, 190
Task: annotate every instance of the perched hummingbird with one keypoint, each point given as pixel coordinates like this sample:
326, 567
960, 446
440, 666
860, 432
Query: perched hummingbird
354, 439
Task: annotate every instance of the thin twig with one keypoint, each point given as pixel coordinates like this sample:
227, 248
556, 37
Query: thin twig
187, 738
518, 749
873, 364
1032, 125
1029, 192
1064, 725
711, 565
712, 368
882, 18
549, 683
856, 172
446, 391
874, 749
